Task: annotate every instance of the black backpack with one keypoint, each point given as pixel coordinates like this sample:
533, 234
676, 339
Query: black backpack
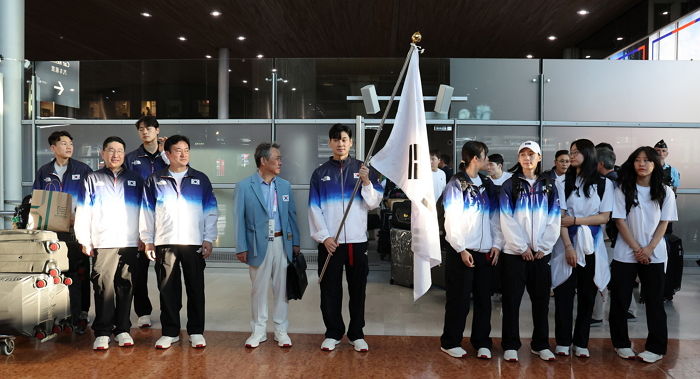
21, 216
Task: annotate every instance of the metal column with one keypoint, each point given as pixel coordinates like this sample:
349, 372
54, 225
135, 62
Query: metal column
223, 83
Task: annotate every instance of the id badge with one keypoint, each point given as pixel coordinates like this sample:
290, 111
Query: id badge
271, 229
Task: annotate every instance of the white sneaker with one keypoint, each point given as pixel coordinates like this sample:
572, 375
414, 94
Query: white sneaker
581, 352
283, 339
255, 340
124, 339
360, 345
456, 352
545, 355
483, 353
510, 355
626, 353
329, 344
101, 343
144, 321
165, 342
562, 351
197, 341
649, 357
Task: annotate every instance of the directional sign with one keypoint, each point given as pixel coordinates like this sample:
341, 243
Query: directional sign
59, 81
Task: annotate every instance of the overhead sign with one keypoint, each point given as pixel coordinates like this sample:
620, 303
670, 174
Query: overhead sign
59, 81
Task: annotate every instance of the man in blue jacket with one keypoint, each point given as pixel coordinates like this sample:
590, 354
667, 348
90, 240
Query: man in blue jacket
65, 174
178, 225
267, 236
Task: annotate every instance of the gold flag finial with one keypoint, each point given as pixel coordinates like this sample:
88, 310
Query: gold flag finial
416, 37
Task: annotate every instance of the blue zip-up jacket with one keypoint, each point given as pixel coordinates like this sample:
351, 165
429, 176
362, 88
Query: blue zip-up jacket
47, 179
331, 186
178, 216
472, 214
530, 217
144, 163
108, 216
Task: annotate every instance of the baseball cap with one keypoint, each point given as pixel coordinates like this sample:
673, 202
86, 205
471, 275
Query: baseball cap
532, 145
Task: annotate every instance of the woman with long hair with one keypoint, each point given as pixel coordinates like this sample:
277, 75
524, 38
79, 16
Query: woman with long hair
580, 259
530, 223
643, 208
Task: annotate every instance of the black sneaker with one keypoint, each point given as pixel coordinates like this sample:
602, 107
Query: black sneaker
595, 322
630, 316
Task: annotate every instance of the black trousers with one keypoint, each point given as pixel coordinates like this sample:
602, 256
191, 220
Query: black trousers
581, 285
518, 274
651, 276
169, 258
79, 272
142, 304
112, 276
353, 257
463, 283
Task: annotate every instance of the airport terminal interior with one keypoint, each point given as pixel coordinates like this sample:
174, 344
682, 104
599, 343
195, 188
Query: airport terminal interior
231, 75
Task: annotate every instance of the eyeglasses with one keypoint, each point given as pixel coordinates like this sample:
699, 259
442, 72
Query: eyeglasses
114, 152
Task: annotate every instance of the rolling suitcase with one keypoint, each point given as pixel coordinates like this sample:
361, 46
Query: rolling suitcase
674, 268
401, 258
33, 304
32, 251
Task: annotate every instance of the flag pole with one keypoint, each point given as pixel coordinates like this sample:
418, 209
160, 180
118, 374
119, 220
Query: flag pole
415, 38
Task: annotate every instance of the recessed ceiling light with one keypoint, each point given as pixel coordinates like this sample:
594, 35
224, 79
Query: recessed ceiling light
552, 38
588, 56
241, 38
583, 12
260, 56
257, 89
529, 56
274, 70
285, 81
665, 13
208, 56
229, 70
215, 13
245, 81
620, 38
145, 14
182, 38
294, 89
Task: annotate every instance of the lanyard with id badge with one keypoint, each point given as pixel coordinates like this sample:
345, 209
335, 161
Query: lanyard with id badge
272, 205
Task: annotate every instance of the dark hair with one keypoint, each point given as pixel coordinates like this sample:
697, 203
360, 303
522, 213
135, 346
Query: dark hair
172, 140
446, 159
56, 136
148, 121
473, 149
587, 171
604, 145
336, 131
435, 153
263, 151
606, 157
560, 153
496, 158
113, 139
628, 178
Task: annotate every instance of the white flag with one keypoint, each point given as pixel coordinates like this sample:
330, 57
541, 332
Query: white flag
405, 160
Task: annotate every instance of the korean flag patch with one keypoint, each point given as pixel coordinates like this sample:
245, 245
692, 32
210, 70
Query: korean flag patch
356, 175
75, 177
285, 197
195, 182
131, 183
136, 162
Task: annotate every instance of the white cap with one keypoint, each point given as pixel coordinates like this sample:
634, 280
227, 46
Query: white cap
532, 145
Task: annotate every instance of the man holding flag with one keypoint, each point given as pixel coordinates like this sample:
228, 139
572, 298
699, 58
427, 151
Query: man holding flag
405, 160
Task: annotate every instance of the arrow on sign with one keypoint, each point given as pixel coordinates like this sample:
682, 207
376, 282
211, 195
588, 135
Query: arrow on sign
59, 87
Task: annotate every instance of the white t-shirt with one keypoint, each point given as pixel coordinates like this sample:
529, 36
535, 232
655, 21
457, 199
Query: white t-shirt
505, 176
578, 205
60, 170
531, 181
178, 177
438, 183
642, 222
476, 181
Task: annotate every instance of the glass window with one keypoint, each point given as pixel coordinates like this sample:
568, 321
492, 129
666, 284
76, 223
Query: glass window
689, 38
226, 227
688, 225
500, 139
667, 45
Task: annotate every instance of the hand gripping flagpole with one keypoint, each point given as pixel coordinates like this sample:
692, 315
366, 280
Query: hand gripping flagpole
415, 38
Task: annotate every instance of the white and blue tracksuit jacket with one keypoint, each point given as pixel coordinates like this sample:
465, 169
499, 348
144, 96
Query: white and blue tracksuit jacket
47, 179
108, 216
178, 216
530, 215
144, 163
331, 188
472, 214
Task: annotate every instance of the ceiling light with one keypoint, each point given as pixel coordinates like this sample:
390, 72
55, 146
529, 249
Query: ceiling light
274, 70
583, 12
294, 89
665, 13
241, 38
215, 13
257, 89
245, 81
182, 38
285, 81
207, 56
620, 38
552, 38
529, 56
229, 70
145, 14
588, 56
260, 56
